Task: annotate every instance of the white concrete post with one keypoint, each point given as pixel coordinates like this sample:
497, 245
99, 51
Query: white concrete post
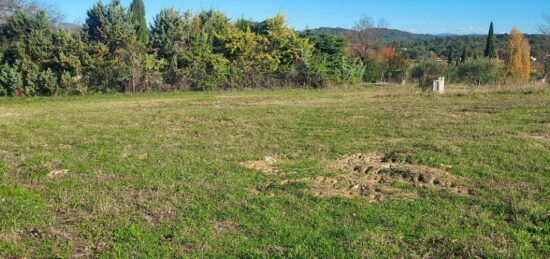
439, 85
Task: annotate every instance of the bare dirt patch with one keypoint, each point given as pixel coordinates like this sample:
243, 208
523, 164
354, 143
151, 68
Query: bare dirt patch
378, 178
374, 176
266, 166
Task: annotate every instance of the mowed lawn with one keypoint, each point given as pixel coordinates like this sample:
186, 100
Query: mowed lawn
161, 175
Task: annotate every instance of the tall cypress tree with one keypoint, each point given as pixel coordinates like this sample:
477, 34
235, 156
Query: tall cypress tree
137, 18
490, 48
450, 57
464, 54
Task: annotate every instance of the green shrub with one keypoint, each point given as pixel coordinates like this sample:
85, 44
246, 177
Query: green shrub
375, 70
428, 71
352, 71
478, 72
11, 80
48, 82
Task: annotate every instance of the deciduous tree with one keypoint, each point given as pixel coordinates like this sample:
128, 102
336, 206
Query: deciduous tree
30, 7
518, 57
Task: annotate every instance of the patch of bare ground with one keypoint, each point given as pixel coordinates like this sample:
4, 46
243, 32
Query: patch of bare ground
375, 178
266, 166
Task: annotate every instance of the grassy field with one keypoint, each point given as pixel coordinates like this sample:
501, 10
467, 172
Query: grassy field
165, 175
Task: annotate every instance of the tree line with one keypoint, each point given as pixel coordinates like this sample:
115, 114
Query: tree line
510, 64
116, 51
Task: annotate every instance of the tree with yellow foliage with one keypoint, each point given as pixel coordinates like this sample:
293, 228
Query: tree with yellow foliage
518, 57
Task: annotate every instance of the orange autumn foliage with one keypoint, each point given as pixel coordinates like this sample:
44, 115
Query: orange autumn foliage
518, 56
389, 53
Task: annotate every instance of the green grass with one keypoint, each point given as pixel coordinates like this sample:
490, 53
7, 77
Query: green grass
158, 175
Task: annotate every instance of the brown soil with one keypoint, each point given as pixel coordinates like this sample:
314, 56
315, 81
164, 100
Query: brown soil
373, 177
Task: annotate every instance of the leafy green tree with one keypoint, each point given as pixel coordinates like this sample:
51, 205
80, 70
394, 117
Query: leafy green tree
331, 52
136, 14
490, 51
283, 44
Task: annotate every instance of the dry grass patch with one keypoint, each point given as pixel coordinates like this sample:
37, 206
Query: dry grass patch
225, 227
266, 166
58, 173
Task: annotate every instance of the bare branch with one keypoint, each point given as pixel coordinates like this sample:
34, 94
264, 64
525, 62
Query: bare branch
545, 28
363, 24
9, 7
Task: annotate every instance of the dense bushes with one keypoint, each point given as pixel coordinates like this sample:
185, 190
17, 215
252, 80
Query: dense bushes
38, 58
203, 51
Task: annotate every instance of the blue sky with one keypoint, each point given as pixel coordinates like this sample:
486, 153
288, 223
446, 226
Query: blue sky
419, 16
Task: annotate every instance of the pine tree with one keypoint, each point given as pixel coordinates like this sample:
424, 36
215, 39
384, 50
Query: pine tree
136, 14
169, 31
490, 51
94, 23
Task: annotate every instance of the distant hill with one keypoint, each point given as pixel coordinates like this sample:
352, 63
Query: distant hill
392, 35
383, 34
418, 46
